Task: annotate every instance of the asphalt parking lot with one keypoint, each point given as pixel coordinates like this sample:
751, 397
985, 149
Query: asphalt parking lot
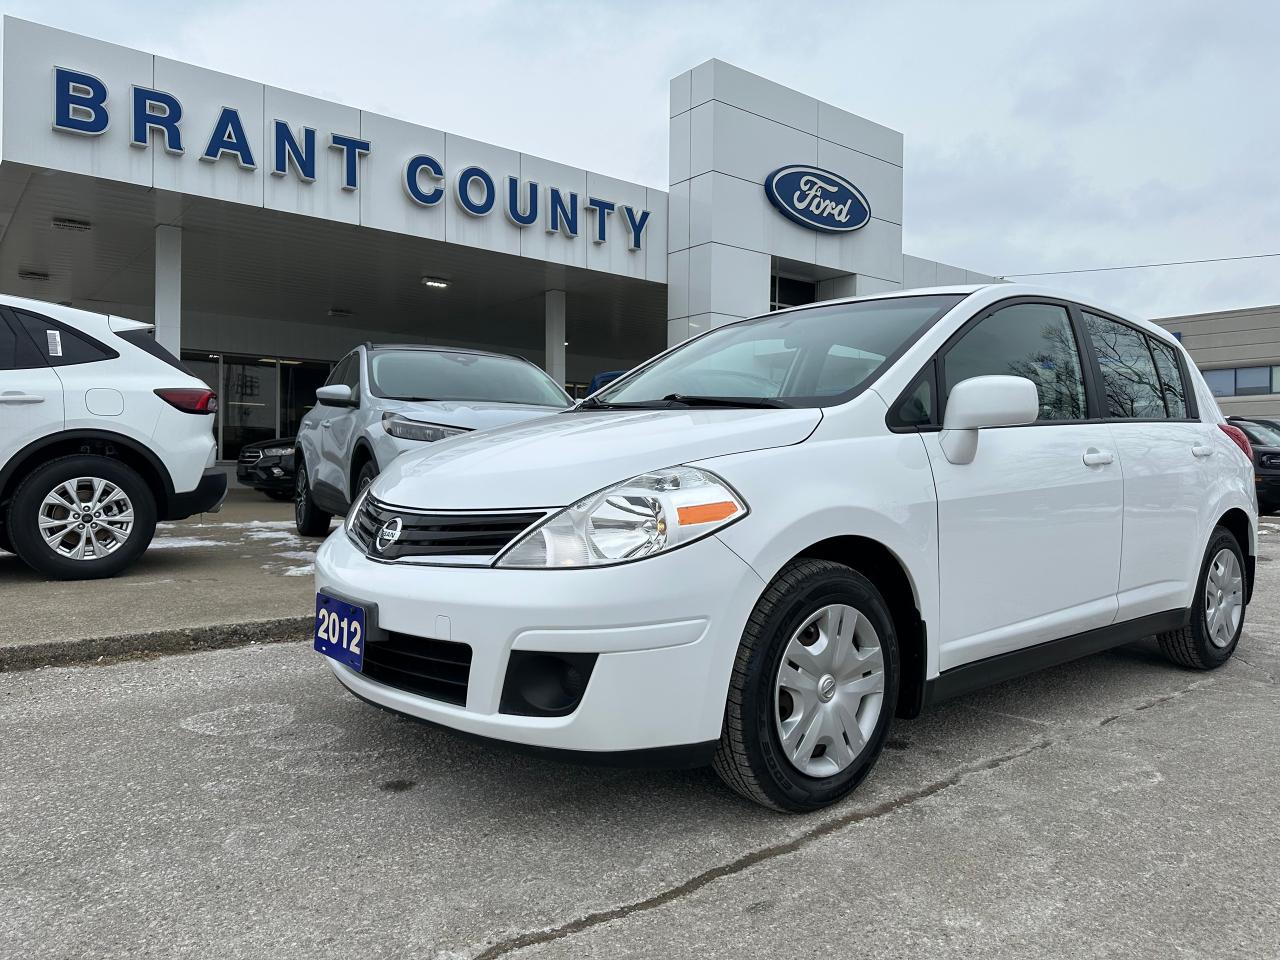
237, 803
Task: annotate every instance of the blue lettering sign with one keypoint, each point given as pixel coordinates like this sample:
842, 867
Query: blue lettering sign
229, 137
602, 208
413, 184
817, 199
288, 151
635, 224
468, 176
521, 218
146, 118
564, 218
79, 102
352, 149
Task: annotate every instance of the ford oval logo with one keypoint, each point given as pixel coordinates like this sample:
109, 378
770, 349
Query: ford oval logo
817, 199
388, 534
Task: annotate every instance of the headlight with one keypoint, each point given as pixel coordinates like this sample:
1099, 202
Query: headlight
637, 518
277, 451
407, 429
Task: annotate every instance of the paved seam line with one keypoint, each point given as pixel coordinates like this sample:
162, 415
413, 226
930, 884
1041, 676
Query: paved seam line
747, 861
1195, 684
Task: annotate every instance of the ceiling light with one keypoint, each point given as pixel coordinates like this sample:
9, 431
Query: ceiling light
435, 283
339, 312
76, 226
32, 275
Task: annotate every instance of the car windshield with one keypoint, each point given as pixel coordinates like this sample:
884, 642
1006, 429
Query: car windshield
1261, 434
463, 377
810, 357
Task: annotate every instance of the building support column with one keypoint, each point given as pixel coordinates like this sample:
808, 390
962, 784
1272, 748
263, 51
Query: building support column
555, 330
168, 313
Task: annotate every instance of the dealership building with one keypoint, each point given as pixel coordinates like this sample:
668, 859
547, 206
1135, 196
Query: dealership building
1238, 351
265, 232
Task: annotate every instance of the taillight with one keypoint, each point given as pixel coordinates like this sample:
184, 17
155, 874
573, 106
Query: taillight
190, 399
1238, 438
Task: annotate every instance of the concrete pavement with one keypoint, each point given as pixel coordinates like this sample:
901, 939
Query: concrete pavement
238, 803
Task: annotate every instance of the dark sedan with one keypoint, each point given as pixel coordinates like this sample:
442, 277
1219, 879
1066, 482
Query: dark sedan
1265, 440
268, 466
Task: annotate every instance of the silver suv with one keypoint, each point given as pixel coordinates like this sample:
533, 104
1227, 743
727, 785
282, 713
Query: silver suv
382, 400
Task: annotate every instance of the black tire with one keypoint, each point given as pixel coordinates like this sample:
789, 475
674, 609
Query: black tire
1193, 646
281, 495
368, 473
310, 520
23, 521
750, 757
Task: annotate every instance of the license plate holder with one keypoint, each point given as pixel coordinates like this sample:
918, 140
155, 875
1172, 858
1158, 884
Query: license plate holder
340, 631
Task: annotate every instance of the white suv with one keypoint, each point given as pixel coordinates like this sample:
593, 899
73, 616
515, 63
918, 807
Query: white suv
760, 546
382, 400
102, 433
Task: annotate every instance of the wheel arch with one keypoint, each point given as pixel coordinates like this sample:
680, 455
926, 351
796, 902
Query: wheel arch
1237, 523
94, 442
361, 454
884, 568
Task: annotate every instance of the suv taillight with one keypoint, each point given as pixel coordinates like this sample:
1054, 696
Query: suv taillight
1238, 438
190, 400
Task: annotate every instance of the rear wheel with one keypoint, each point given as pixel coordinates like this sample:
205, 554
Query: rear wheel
813, 689
1217, 612
310, 520
82, 518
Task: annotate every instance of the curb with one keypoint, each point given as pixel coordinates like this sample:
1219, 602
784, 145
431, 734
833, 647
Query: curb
104, 650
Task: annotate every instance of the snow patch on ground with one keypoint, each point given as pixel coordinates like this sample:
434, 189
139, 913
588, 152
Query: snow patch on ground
305, 570
175, 543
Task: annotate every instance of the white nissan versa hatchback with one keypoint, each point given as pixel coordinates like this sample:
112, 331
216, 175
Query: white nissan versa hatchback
760, 546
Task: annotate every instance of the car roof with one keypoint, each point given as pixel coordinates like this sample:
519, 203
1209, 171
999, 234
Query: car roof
440, 349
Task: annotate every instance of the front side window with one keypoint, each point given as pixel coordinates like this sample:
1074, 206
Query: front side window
1171, 383
420, 374
339, 373
801, 358
1129, 378
1032, 340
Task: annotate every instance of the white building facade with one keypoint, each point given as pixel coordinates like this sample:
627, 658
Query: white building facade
266, 232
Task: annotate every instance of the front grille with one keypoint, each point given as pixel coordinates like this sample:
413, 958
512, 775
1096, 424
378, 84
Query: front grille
438, 669
472, 538
249, 456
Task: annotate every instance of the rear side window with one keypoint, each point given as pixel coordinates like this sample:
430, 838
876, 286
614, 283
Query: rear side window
1032, 340
145, 341
1172, 385
1129, 377
59, 345
16, 350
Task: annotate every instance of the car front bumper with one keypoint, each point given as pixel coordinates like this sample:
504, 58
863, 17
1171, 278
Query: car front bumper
665, 629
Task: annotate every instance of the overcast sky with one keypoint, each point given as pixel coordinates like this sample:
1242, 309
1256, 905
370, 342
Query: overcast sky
1038, 136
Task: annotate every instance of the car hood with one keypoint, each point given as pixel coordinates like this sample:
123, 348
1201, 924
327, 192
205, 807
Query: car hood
471, 414
557, 460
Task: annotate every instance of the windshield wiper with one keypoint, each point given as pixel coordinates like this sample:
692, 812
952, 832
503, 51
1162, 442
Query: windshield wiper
692, 400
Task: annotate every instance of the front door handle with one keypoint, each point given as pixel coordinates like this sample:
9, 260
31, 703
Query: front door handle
13, 397
1202, 450
1093, 457
325, 424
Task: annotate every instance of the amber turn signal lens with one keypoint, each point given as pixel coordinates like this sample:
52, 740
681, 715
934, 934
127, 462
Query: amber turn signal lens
706, 512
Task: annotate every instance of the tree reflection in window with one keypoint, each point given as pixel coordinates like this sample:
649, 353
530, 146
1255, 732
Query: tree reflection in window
1129, 377
1032, 340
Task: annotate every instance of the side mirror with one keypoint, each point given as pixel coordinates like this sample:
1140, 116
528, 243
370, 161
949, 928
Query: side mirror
985, 402
335, 395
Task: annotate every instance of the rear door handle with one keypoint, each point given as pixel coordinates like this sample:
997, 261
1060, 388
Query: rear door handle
13, 397
1202, 450
325, 424
1093, 457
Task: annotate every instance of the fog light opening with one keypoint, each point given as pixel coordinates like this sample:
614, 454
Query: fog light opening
545, 684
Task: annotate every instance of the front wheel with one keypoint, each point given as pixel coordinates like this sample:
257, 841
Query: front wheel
82, 518
814, 686
1217, 610
310, 520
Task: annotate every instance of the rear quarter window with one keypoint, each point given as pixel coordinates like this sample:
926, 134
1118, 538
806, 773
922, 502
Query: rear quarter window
145, 341
59, 345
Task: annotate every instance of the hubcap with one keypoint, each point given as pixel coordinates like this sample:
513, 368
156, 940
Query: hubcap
1223, 598
829, 690
86, 518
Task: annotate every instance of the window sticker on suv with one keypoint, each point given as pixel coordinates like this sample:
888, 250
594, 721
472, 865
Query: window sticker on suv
55, 342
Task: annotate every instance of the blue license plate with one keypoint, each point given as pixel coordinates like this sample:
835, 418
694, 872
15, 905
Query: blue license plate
340, 631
